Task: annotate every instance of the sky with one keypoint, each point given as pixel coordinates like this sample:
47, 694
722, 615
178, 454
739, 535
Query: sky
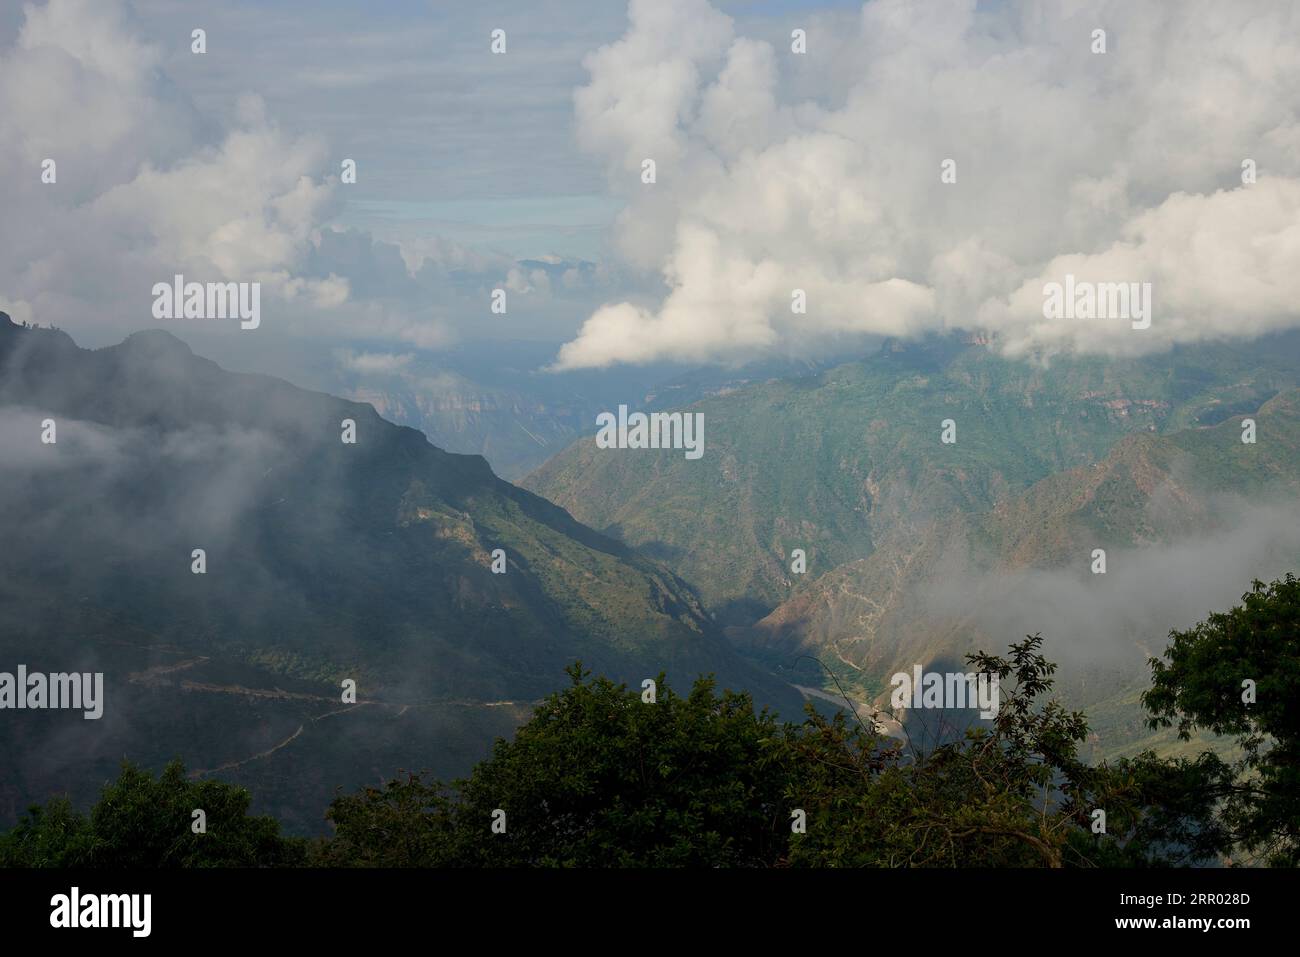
778, 173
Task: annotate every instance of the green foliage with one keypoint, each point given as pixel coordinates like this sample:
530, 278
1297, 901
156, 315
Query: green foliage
407, 823
839, 461
54, 835
143, 822
1201, 686
597, 778
1009, 795
600, 778
1160, 812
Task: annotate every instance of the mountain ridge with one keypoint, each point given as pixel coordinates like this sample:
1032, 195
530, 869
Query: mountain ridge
324, 561
839, 461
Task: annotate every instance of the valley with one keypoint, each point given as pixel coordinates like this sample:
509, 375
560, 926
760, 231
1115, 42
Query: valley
328, 560
921, 552
325, 561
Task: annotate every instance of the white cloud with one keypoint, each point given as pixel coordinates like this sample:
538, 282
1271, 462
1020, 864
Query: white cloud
1221, 266
1125, 166
373, 363
140, 195
150, 185
644, 85
245, 209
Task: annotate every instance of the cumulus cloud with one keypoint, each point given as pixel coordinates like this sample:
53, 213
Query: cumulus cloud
149, 185
1120, 166
144, 189
1220, 265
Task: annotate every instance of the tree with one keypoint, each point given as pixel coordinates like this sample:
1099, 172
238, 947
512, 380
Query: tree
1014, 794
143, 822
597, 777
600, 778
1238, 673
1007, 795
406, 823
1160, 812
51, 836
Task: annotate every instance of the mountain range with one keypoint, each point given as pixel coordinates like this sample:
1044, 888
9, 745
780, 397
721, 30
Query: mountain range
920, 550
324, 561
454, 599
840, 461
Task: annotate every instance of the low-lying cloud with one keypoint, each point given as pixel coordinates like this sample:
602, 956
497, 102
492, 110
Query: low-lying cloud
1123, 616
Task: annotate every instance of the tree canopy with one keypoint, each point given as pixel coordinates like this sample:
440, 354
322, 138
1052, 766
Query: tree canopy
141, 821
1237, 673
603, 775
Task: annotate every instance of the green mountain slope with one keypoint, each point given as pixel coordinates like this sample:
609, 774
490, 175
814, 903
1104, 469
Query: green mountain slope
324, 561
844, 462
1185, 520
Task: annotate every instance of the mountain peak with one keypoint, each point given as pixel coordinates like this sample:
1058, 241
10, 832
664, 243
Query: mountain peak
156, 342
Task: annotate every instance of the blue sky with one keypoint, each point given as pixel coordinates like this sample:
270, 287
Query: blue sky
449, 140
780, 174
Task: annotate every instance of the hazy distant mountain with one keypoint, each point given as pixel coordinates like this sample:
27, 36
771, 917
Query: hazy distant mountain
324, 561
494, 399
497, 399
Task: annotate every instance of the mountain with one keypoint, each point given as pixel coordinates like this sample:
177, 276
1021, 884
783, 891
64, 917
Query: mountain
843, 462
498, 399
1186, 520
325, 561
493, 399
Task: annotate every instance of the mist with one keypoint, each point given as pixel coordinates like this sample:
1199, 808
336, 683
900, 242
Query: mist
1122, 617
